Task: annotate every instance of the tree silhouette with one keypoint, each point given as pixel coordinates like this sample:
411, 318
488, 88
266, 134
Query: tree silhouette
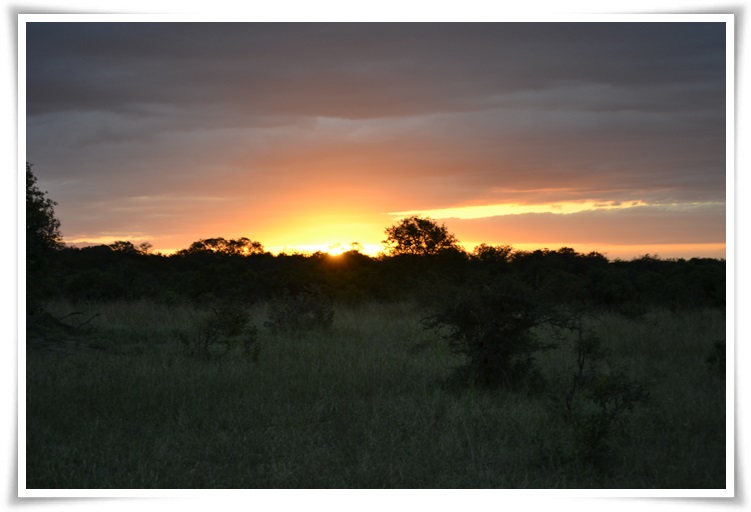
241, 246
127, 247
123, 246
419, 236
43, 238
493, 253
42, 227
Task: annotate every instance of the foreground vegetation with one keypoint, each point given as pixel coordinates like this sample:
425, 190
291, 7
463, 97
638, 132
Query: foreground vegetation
370, 399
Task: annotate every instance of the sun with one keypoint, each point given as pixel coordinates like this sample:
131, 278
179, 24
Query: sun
331, 249
338, 249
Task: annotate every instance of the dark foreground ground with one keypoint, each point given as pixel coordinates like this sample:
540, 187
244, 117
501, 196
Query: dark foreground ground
371, 402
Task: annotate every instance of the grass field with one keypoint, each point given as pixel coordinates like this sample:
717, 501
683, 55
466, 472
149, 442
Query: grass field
368, 403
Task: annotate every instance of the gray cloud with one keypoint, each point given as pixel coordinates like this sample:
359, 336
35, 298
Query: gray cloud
365, 70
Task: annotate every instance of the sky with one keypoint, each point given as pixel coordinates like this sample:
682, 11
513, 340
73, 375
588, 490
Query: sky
597, 136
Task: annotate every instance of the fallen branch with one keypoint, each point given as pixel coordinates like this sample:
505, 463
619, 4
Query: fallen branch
71, 314
87, 321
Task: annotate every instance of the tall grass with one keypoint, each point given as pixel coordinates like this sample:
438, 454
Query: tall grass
365, 404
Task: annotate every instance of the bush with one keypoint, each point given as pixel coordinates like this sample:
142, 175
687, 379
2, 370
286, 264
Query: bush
492, 325
611, 398
225, 327
716, 358
310, 309
597, 400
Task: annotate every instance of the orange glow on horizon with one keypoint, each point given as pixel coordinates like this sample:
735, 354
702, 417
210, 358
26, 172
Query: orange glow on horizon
610, 251
625, 251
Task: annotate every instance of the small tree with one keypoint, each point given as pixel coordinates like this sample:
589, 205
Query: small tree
492, 324
419, 236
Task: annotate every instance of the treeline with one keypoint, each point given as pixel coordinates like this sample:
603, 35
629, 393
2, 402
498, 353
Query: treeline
240, 270
422, 260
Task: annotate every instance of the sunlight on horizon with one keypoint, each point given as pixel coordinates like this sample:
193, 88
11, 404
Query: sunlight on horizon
333, 249
610, 251
623, 251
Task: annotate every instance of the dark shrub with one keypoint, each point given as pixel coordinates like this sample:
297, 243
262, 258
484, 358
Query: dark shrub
492, 325
598, 400
225, 327
310, 309
716, 358
611, 398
